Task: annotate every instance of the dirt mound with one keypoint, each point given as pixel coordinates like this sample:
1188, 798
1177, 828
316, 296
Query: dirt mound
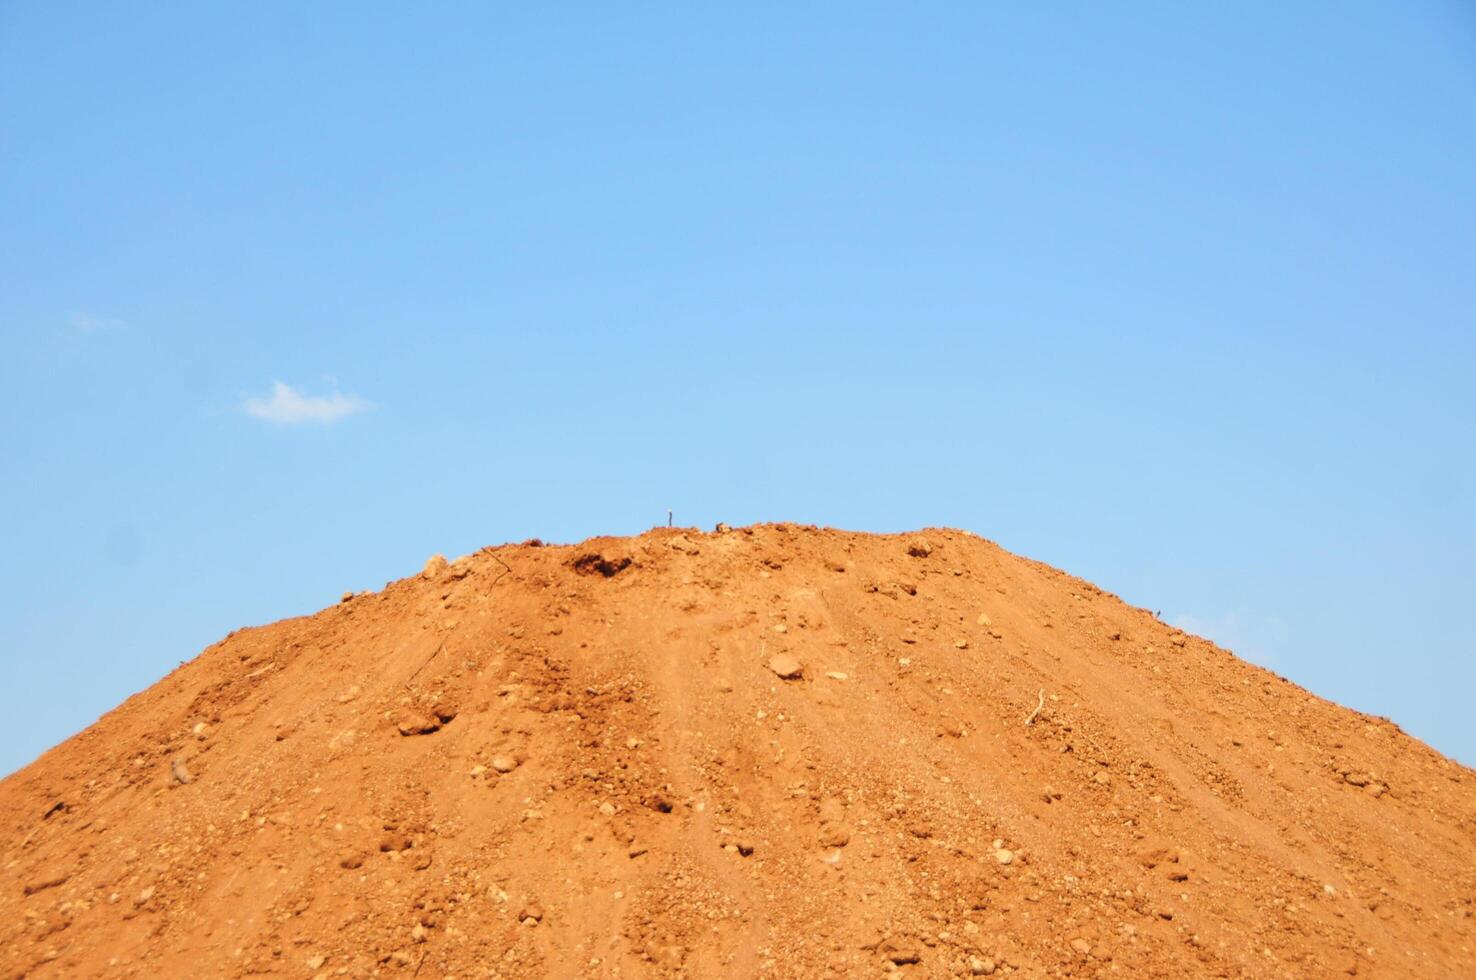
774, 751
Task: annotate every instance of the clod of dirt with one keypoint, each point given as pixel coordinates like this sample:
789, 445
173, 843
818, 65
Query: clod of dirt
786, 666
699, 809
179, 773
594, 563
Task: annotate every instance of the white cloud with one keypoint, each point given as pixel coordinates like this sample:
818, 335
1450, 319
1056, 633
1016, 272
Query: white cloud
289, 406
85, 322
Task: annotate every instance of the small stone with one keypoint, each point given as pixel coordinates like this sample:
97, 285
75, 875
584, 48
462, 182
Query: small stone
1101, 778
349, 860
836, 675
984, 620
1081, 946
981, 967
316, 962
722, 528
786, 666
504, 763
434, 565
919, 548
346, 597
607, 808
418, 933
780, 628
961, 644
1355, 779
1004, 855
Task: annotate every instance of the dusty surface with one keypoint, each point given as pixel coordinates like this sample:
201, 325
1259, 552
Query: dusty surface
774, 751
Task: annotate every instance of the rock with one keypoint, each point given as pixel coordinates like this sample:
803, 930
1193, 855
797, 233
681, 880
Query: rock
919, 548
780, 628
786, 666
531, 910
1081, 946
349, 860
347, 596
607, 808
1004, 855
1101, 778
418, 933
836, 675
504, 763
722, 528
984, 620
316, 962
961, 644
434, 566
981, 967
1355, 779
394, 841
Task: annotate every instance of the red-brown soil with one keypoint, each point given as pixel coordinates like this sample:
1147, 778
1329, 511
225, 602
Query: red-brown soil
769, 752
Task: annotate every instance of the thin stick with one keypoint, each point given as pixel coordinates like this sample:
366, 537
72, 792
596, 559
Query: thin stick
425, 664
1039, 704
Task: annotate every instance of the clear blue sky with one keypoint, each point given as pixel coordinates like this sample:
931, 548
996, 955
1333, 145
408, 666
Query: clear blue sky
1178, 297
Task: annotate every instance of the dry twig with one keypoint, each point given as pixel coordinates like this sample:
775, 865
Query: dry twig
1039, 704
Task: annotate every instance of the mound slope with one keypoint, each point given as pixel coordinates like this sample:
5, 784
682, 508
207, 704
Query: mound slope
774, 751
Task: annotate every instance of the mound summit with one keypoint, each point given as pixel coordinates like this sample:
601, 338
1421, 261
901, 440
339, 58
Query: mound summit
774, 751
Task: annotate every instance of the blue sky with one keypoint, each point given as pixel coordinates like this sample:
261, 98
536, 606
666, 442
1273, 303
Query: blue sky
1178, 297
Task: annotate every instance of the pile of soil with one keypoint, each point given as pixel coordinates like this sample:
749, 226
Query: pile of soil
774, 751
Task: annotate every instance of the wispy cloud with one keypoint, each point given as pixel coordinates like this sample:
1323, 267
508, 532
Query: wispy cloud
1258, 640
84, 322
289, 406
